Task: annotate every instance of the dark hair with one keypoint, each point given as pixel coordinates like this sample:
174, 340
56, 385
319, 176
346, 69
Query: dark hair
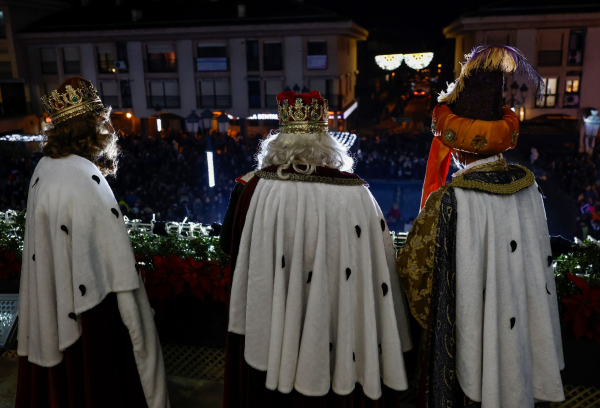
89, 135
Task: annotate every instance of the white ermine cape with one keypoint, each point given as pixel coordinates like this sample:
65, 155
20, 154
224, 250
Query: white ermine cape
77, 251
315, 290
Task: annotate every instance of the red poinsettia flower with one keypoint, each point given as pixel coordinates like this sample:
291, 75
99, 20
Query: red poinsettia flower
583, 309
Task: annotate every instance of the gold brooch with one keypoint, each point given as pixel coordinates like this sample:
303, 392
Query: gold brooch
479, 142
513, 138
449, 135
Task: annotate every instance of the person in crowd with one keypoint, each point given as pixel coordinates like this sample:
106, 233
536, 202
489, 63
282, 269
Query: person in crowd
477, 267
316, 317
394, 218
86, 331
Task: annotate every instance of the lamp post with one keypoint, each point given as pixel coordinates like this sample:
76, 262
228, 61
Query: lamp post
207, 119
223, 122
192, 122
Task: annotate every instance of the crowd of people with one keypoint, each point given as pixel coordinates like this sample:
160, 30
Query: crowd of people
167, 177
578, 176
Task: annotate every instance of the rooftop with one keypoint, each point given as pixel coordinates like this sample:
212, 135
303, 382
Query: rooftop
107, 15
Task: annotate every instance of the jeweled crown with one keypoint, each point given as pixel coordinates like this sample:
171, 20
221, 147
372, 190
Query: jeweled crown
302, 113
73, 102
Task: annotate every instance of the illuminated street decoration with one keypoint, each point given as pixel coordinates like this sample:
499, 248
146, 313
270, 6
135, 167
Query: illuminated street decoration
418, 61
389, 62
21, 138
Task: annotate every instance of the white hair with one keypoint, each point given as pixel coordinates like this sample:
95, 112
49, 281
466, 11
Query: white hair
308, 150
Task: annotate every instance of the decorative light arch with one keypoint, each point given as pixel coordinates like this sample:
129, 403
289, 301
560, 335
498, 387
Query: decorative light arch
418, 61
389, 62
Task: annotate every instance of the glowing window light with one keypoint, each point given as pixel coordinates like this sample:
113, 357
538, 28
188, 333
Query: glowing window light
158, 124
211, 169
128, 114
389, 62
418, 61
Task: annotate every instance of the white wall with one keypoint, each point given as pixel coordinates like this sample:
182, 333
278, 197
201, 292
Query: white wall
590, 81
239, 72
187, 85
293, 61
136, 74
526, 42
87, 59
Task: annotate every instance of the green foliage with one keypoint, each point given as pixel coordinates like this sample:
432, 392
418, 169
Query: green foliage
584, 261
146, 245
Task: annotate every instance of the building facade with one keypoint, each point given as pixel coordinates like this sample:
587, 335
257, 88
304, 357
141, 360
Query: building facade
236, 66
562, 42
16, 111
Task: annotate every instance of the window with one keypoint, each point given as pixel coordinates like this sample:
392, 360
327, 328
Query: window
122, 58
106, 59
126, 93
212, 57
214, 93
49, 65
572, 87
316, 57
272, 88
550, 95
2, 25
163, 94
161, 58
254, 94
109, 93
71, 60
550, 48
252, 58
272, 57
576, 47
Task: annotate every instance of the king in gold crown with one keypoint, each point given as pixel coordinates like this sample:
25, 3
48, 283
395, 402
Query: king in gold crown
300, 116
74, 102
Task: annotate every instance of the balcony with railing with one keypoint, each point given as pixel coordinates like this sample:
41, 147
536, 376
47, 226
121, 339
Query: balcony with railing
161, 65
164, 101
214, 101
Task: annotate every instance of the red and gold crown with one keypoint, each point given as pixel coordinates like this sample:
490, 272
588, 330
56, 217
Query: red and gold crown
302, 113
73, 102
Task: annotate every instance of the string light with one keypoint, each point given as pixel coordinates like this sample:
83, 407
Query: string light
389, 62
418, 61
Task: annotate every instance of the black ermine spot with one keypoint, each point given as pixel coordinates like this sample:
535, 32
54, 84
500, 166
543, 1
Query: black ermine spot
33, 257
283, 261
547, 291
309, 277
96, 179
115, 212
382, 225
82, 289
513, 245
348, 273
384, 287
357, 228
379, 348
65, 229
512, 322
353, 356
73, 316
330, 347
36, 181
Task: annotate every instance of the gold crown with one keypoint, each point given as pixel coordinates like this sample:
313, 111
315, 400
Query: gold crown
63, 106
303, 118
